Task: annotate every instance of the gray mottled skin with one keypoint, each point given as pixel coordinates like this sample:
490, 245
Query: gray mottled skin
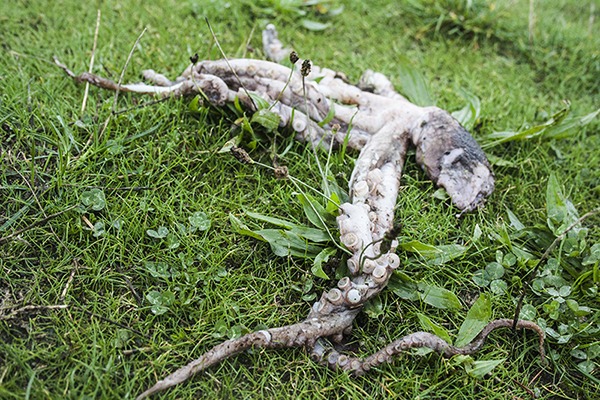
452, 159
383, 125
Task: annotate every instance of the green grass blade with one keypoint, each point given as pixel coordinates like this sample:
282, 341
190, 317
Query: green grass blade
558, 126
412, 83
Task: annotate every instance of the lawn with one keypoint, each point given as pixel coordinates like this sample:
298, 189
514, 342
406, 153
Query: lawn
119, 261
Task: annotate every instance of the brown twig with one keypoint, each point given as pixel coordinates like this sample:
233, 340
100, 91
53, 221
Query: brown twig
129, 352
525, 388
535, 378
29, 308
300, 334
136, 296
61, 299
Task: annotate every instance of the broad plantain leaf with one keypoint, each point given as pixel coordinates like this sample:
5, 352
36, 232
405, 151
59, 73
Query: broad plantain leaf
429, 325
469, 114
286, 243
558, 126
562, 130
514, 221
414, 246
314, 211
477, 318
333, 204
438, 297
403, 286
435, 255
478, 369
448, 252
242, 229
259, 101
272, 220
267, 119
323, 256
312, 234
314, 25
374, 307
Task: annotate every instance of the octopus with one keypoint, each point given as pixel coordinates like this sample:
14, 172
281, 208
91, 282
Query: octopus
324, 109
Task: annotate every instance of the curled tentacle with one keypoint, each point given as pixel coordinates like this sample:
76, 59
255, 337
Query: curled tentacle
358, 366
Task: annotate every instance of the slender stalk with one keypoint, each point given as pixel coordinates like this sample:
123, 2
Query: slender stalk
93, 56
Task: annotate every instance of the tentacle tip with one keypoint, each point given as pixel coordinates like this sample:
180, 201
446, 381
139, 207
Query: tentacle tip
543, 360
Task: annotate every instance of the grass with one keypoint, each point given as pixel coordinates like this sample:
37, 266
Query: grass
158, 165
